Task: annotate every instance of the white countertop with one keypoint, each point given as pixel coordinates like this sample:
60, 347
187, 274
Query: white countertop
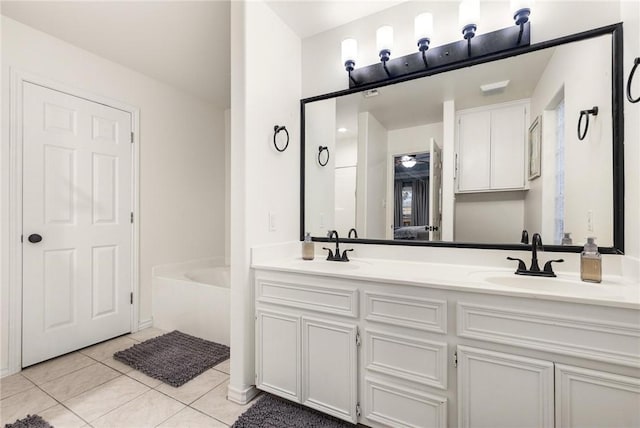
612, 291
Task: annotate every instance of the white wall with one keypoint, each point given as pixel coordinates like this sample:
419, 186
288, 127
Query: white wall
415, 139
371, 177
320, 130
346, 154
572, 68
265, 91
495, 217
181, 153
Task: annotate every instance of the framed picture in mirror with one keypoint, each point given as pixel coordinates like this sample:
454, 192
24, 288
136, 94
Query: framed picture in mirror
535, 133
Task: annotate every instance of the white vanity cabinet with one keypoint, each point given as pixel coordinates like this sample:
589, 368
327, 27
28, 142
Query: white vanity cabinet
501, 390
595, 399
490, 147
410, 354
497, 389
306, 343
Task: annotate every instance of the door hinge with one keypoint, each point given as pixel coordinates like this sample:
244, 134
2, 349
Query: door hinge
358, 340
358, 410
132, 138
131, 298
21, 238
455, 359
131, 217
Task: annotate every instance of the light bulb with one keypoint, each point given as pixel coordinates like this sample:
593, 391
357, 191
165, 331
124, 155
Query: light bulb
423, 26
516, 5
349, 50
384, 38
469, 13
520, 10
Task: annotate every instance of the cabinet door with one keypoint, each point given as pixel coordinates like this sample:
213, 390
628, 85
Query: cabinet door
474, 151
508, 135
503, 390
590, 398
278, 354
329, 367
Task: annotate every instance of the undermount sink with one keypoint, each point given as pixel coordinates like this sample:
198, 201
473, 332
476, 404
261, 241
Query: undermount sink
509, 279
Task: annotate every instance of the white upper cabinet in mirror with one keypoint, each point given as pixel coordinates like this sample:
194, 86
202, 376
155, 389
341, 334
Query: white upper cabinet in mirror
473, 156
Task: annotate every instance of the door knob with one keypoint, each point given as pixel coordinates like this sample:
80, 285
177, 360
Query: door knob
34, 238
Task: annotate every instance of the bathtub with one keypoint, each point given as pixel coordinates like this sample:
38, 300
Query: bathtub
192, 297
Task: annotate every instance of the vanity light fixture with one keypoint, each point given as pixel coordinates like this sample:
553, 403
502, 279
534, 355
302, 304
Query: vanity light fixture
423, 29
408, 161
349, 54
468, 18
521, 11
384, 42
430, 59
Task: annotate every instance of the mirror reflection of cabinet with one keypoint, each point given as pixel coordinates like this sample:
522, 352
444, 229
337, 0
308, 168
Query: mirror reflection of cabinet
490, 150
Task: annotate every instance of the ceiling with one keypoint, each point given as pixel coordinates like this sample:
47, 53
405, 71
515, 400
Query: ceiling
311, 17
182, 43
185, 44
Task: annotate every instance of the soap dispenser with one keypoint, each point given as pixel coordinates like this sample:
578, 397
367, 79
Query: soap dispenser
308, 248
591, 262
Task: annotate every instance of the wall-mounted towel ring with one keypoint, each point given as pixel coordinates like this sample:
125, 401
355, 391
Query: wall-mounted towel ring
276, 131
636, 62
320, 150
583, 114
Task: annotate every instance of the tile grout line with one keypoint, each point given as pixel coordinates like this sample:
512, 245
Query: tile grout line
126, 402
212, 417
61, 403
19, 392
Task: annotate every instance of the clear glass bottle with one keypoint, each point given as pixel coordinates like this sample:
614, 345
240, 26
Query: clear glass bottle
591, 262
566, 239
308, 249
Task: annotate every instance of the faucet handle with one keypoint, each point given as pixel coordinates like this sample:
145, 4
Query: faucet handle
548, 268
330, 255
344, 254
521, 265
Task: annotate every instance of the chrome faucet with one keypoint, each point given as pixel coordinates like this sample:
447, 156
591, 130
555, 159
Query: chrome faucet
355, 233
534, 270
336, 257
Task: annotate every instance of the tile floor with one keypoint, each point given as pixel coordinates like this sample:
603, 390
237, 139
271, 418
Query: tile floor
88, 388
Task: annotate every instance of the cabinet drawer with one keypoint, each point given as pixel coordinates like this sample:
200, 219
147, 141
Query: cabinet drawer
419, 361
406, 311
330, 300
600, 340
398, 406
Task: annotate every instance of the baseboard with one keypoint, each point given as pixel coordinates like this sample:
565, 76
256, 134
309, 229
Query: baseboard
8, 372
241, 396
145, 324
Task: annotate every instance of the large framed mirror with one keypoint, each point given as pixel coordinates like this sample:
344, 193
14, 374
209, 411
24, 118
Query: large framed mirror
478, 156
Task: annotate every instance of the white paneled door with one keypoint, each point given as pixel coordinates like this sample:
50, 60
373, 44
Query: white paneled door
77, 232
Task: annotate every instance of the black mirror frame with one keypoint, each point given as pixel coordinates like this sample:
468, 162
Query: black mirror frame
617, 107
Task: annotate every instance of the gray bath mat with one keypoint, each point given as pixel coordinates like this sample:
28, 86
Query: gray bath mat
274, 412
174, 358
31, 421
